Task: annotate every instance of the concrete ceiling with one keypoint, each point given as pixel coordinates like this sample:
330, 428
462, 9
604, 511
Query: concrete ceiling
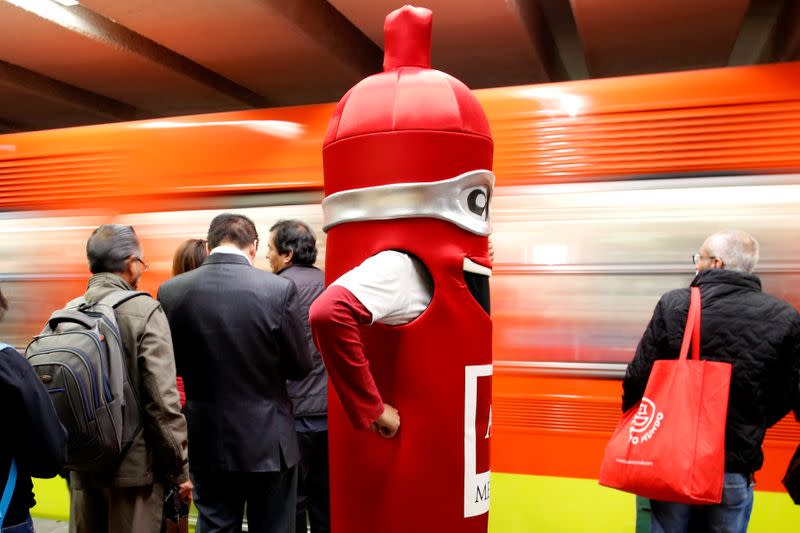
109, 60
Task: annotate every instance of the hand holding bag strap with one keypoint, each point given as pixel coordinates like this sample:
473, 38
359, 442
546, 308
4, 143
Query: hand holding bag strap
8, 491
691, 335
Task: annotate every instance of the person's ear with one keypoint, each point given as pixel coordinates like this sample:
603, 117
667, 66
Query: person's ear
130, 266
288, 256
129, 272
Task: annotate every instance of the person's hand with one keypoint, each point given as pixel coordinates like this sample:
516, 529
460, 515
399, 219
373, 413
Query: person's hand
388, 423
185, 491
491, 250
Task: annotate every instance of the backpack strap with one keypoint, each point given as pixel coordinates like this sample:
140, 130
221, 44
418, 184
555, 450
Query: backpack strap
75, 303
117, 298
8, 491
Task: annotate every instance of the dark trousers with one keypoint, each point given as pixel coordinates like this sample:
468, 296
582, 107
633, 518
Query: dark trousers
220, 498
313, 485
116, 510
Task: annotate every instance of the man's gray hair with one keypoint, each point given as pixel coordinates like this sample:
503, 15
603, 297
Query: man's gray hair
737, 249
110, 246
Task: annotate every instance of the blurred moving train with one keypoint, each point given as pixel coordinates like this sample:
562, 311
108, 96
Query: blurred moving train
604, 190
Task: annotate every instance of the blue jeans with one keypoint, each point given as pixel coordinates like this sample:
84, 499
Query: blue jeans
25, 527
729, 516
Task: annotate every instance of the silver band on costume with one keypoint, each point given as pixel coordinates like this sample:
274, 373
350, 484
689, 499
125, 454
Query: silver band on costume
463, 200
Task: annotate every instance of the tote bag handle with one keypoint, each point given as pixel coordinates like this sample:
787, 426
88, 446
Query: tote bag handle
691, 335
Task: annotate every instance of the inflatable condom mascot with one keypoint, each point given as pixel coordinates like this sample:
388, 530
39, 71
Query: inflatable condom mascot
404, 326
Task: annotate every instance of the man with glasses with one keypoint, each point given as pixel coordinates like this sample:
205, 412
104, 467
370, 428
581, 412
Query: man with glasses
706, 261
131, 498
759, 336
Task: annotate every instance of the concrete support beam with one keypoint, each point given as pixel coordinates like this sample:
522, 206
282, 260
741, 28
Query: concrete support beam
566, 38
59, 91
621, 37
756, 33
94, 26
10, 127
321, 22
785, 43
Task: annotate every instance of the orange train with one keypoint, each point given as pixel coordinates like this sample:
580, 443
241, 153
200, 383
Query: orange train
604, 190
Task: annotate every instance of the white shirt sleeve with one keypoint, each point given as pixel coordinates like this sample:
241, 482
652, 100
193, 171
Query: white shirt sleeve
393, 286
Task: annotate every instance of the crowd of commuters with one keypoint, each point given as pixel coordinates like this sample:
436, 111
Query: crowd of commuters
227, 348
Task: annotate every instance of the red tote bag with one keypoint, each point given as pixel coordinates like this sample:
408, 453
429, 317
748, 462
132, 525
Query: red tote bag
671, 445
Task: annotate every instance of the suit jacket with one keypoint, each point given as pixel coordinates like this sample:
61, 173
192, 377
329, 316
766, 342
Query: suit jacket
238, 337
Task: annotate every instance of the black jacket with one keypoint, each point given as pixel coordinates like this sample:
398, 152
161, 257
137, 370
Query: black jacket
309, 396
238, 336
758, 334
32, 433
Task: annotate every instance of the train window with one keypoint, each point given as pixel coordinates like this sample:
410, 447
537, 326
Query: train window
579, 268
42, 266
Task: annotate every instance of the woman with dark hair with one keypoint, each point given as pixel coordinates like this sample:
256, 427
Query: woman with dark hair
34, 442
189, 255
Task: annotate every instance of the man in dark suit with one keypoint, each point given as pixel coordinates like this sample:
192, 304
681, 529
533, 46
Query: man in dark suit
238, 337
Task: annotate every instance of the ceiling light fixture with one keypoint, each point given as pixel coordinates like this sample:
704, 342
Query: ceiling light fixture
55, 12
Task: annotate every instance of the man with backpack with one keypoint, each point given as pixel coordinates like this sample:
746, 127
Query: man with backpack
129, 495
34, 443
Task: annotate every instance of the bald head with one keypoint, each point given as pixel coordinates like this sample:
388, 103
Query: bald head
737, 250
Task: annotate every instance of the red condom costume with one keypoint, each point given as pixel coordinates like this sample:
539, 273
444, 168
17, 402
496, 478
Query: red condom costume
406, 160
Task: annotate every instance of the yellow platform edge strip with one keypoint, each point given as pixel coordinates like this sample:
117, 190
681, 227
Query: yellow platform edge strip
522, 504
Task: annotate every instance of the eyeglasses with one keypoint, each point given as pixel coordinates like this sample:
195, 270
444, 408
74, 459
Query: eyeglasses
145, 266
696, 258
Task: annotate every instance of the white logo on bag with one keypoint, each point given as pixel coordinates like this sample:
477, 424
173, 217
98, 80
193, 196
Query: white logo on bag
645, 422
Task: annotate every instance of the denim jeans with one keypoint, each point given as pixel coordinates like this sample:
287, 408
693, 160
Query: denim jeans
25, 527
729, 516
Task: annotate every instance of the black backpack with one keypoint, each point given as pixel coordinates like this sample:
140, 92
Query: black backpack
80, 359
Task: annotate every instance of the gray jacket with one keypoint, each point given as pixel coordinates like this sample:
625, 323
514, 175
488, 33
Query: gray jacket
310, 395
159, 450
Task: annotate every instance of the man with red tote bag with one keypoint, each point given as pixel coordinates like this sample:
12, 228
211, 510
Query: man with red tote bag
759, 337
670, 446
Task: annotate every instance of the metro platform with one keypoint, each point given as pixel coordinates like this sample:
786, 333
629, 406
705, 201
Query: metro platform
519, 504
